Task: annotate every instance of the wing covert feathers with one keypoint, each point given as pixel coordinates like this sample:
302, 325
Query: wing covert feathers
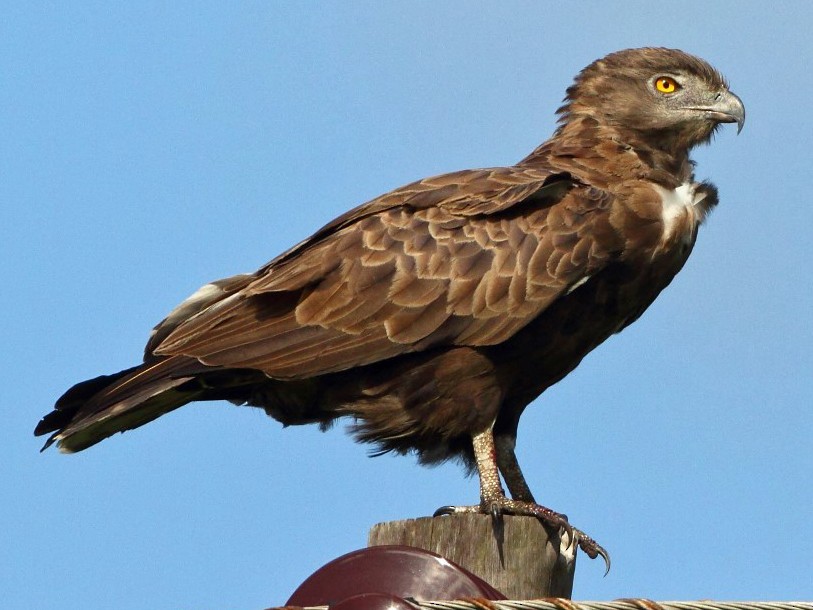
448, 260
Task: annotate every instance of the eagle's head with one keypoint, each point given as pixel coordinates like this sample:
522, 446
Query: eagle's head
664, 97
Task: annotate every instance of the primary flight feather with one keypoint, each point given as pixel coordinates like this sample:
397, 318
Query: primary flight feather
434, 314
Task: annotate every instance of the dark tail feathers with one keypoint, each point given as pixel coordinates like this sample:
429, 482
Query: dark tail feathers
97, 408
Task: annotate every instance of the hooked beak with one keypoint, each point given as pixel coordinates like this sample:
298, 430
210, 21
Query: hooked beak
727, 108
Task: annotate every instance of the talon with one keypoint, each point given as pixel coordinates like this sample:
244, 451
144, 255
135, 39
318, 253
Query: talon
572, 534
606, 557
496, 513
445, 510
593, 549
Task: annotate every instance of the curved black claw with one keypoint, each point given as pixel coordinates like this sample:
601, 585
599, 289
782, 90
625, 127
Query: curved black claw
445, 510
591, 548
563, 524
606, 557
496, 514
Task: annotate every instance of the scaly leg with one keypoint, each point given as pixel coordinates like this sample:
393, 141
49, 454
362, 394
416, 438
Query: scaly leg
510, 470
494, 502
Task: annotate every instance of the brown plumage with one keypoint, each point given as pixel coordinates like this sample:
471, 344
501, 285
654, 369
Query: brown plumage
434, 314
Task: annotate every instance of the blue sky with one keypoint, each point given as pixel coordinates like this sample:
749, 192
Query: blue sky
148, 148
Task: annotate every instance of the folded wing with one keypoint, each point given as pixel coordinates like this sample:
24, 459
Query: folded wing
462, 259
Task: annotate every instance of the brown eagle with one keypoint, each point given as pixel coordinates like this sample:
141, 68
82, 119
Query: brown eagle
434, 314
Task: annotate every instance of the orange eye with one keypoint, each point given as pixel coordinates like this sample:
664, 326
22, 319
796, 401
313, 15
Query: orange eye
665, 84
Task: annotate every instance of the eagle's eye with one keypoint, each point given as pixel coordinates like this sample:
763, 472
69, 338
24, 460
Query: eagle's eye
666, 84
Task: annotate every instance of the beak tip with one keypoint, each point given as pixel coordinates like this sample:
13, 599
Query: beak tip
738, 111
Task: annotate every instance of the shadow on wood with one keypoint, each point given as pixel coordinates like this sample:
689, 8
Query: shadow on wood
522, 559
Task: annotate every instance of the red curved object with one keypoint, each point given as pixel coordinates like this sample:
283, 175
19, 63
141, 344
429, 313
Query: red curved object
400, 571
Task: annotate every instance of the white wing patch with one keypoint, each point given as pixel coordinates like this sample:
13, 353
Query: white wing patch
577, 284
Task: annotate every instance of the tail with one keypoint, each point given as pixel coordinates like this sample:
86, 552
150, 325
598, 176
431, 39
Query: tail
97, 408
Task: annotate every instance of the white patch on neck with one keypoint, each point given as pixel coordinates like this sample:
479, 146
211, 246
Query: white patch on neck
676, 204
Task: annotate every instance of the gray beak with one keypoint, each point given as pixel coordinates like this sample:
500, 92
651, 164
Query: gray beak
728, 108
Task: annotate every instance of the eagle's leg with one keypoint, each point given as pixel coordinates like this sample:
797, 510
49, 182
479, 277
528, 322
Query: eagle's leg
510, 470
493, 500
492, 496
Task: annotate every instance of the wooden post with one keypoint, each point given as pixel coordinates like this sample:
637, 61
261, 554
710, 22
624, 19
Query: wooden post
522, 559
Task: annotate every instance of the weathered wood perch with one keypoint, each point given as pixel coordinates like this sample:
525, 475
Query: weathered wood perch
522, 559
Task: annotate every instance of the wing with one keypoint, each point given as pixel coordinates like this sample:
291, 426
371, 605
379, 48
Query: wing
462, 259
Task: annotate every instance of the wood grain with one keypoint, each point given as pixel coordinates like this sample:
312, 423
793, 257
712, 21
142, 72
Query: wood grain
522, 561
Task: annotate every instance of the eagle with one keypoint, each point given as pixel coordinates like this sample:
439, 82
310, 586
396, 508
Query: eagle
434, 314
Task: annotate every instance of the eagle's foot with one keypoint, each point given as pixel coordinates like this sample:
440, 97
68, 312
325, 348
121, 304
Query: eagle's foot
497, 507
